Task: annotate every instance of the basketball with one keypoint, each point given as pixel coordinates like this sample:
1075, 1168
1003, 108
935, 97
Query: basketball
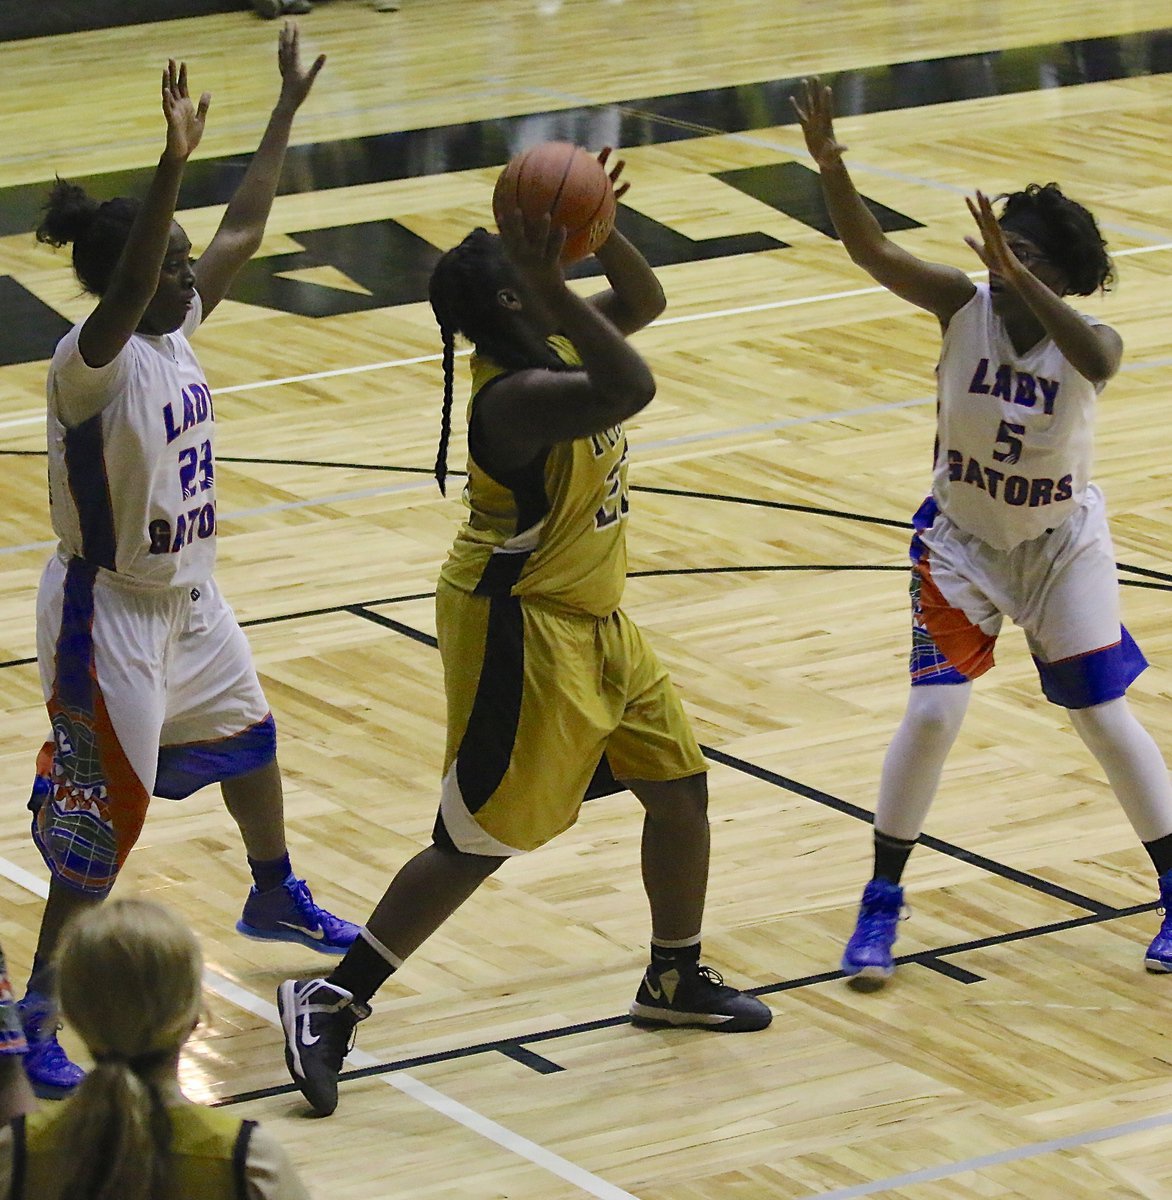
565, 181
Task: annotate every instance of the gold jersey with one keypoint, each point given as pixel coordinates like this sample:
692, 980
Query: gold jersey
209, 1149
553, 530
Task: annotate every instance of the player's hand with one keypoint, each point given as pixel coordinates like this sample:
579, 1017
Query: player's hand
185, 120
296, 80
814, 105
534, 248
993, 250
620, 189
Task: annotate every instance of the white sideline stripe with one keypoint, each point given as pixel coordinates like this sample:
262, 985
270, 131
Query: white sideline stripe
362, 368
592, 1184
711, 435
538, 1155
25, 879
712, 315
1034, 1150
229, 990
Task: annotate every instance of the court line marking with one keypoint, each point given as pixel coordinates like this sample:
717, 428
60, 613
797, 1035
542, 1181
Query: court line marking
797, 151
711, 435
428, 482
1033, 1150
446, 1106
30, 417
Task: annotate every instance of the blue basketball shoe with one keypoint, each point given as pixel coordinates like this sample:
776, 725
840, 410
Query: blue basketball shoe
287, 913
867, 958
1159, 955
47, 1065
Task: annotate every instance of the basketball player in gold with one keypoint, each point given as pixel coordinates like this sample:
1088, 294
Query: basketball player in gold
544, 673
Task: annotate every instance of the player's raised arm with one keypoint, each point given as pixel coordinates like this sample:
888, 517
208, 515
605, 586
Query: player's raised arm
941, 289
635, 297
1095, 351
135, 279
240, 232
532, 409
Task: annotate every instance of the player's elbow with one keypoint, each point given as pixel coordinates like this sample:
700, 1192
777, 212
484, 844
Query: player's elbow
1098, 369
625, 397
654, 305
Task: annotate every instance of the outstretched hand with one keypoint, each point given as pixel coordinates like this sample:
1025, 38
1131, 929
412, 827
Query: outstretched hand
620, 189
185, 120
815, 108
534, 247
296, 80
992, 250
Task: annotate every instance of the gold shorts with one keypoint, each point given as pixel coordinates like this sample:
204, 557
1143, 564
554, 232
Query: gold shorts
535, 698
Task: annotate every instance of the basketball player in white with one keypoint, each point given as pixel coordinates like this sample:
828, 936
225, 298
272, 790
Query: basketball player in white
147, 675
1013, 527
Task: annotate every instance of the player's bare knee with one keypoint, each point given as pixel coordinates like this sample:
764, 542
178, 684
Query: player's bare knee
673, 800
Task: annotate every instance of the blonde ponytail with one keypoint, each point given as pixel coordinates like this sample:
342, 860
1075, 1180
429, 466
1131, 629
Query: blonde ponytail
129, 982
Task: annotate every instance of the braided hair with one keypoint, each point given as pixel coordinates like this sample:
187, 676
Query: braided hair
1065, 232
98, 230
463, 292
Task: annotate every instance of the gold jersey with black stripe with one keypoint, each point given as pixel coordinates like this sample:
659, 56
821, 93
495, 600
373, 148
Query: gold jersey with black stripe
552, 530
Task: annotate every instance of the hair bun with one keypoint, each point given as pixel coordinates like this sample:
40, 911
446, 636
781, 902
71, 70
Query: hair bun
69, 212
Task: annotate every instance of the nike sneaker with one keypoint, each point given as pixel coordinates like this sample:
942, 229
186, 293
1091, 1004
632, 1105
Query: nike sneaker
319, 1020
867, 959
287, 913
692, 995
1159, 955
49, 1069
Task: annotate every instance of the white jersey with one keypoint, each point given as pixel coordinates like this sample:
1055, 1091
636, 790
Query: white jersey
132, 489
1014, 431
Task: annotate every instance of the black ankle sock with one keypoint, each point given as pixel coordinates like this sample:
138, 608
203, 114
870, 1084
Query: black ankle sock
674, 956
41, 977
270, 872
362, 972
1161, 853
891, 855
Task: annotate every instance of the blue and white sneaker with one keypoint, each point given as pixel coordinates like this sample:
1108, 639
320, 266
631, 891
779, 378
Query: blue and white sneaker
46, 1064
287, 913
867, 959
1159, 955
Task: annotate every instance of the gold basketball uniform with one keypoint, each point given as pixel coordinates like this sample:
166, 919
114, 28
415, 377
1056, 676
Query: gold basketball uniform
543, 672
209, 1150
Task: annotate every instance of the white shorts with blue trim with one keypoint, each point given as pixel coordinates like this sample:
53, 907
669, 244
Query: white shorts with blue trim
1061, 588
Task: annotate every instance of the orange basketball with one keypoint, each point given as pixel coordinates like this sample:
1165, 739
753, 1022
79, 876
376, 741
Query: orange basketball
565, 181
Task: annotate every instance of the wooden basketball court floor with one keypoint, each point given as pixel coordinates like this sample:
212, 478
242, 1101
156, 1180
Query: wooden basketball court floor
1021, 1049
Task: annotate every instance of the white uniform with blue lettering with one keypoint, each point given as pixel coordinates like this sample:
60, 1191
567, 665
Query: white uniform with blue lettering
1020, 530
150, 450
133, 503
1016, 431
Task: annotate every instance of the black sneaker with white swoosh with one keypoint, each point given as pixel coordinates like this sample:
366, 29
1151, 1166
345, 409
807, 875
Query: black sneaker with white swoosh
318, 1019
696, 996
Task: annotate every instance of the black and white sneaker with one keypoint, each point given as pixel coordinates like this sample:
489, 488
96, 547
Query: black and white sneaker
319, 1019
698, 996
